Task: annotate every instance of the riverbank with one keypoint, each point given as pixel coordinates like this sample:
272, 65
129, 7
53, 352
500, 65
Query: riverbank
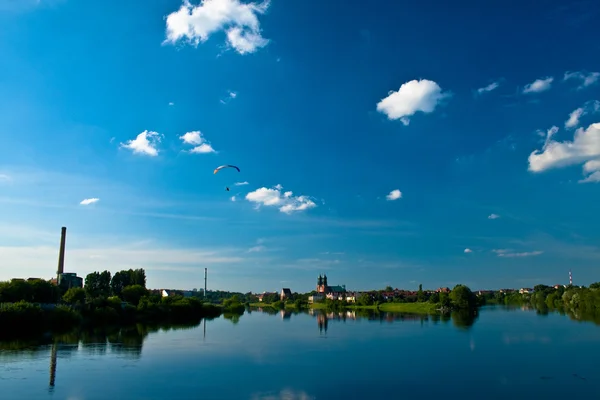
23, 319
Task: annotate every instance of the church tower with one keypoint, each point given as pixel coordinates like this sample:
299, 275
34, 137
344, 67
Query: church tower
320, 284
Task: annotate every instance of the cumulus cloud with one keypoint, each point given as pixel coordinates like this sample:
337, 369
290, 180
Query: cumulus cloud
240, 183
593, 169
413, 96
468, 250
86, 202
493, 216
585, 148
171, 103
539, 85
488, 88
586, 78
589, 107
201, 145
233, 198
394, 195
508, 253
144, 143
286, 202
196, 23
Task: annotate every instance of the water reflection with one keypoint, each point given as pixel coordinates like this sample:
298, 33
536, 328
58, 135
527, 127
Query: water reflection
461, 319
124, 342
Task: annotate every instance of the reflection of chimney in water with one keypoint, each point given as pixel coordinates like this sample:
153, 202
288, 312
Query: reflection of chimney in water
61, 254
53, 365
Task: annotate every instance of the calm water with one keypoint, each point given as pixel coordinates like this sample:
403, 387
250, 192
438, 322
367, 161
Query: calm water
503, 354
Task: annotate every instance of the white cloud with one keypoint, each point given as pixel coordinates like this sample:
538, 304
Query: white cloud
201, 145
468, 251
239, 21
232, 198
171, 103
488, 88
539, 85
593, 169
589, 107
256, 249
508, 253
240, 183
587, 79
86, 202
584, 148
286, 202
573, 120
493, 216
4, 178
413, 96
394, 195
144, 143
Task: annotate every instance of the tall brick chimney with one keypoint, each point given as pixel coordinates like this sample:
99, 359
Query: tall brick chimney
61, 254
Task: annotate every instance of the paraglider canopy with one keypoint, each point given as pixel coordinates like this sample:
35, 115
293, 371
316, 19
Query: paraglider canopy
225, 166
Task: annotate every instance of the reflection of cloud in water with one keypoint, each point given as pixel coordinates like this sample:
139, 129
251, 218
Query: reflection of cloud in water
285, 394
472, 344
527, 338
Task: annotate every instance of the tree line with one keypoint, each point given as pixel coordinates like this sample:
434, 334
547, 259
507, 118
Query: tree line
104, 300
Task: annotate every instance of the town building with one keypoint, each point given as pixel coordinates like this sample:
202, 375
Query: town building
324, 291
286, 293
70, 280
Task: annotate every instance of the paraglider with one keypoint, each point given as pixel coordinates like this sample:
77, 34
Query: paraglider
225, 166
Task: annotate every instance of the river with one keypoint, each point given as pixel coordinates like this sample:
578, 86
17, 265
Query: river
504, 353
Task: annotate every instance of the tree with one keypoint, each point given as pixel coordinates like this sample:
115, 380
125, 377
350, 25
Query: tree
97, 284
43, 291
444, 299
74, 296
420, 294
138, 277
365, 299
434, 298
134, 293
388, 289
119, 281
462, 297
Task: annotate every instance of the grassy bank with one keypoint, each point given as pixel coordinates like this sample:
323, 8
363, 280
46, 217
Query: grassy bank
416, 308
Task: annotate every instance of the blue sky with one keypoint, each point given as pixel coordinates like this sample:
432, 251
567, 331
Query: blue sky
421, 143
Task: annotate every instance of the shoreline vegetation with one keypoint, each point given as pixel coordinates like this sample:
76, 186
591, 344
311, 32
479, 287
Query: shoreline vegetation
34, 307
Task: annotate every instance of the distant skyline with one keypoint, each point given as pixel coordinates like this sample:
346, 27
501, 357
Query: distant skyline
402, 144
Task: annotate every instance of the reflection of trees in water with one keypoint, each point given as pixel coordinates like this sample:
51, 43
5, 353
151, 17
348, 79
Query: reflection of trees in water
234, 318
462, 319
124, 341
586, 315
